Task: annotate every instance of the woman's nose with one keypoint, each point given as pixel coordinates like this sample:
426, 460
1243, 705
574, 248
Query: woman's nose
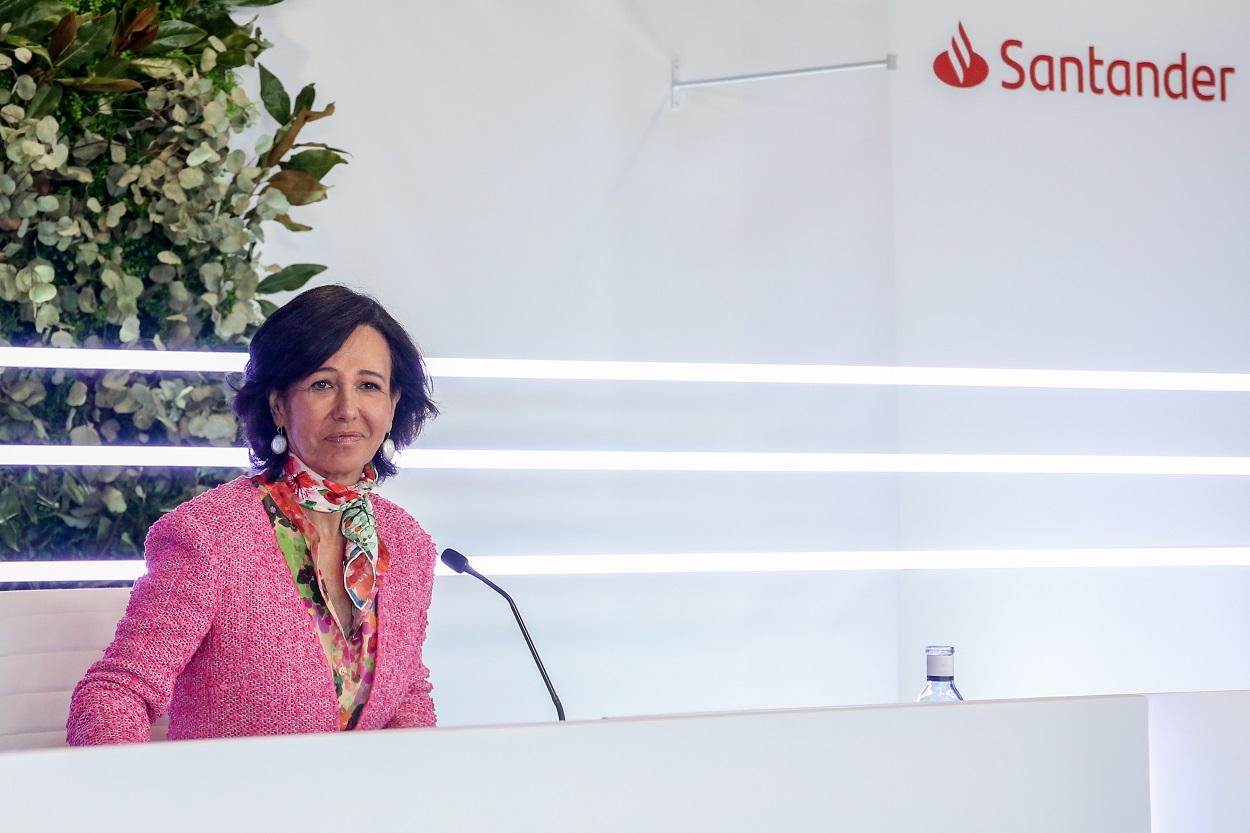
345, 406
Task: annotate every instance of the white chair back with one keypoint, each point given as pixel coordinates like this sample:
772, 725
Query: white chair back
48, 638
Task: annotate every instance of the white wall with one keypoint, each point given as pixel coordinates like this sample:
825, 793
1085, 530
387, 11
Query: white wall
1073, 231
520, 189
1057, 633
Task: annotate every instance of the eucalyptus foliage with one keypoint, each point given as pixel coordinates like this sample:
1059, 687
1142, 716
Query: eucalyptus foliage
132, 215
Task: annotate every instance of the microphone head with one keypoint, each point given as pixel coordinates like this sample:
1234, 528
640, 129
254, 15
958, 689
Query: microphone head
455, 560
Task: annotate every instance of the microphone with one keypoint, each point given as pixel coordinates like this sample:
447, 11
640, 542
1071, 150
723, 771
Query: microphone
460, 564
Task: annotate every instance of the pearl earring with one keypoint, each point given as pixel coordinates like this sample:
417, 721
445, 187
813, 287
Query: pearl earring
388, 448
278, 443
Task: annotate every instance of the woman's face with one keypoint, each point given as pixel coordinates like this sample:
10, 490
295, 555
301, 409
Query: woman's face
337, 416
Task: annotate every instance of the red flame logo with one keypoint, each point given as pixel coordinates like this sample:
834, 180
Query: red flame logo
960, 66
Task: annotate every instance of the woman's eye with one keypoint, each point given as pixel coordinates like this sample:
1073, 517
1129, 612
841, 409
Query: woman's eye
320, 384
370, 386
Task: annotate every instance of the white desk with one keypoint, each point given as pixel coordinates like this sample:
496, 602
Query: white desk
1075, 765
1200, 762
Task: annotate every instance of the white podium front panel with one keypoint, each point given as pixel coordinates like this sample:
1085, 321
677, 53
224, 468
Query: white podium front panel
1200, 761
1077, 766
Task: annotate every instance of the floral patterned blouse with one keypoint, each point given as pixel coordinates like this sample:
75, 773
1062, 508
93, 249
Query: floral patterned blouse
350, 651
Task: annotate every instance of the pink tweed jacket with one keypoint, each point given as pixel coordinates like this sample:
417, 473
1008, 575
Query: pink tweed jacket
216, 635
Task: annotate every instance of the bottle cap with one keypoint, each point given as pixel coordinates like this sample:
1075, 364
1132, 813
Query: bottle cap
940, 662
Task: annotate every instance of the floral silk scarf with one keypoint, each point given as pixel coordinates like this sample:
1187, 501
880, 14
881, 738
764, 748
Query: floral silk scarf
360, 530
350, 647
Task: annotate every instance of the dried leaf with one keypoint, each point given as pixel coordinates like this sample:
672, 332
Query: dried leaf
291, 225
143, 39
138, 24
92, 40
321, 145
298, 187
102, 85
63, 35
317, 115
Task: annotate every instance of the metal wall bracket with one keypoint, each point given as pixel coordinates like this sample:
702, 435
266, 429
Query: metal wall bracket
890, 62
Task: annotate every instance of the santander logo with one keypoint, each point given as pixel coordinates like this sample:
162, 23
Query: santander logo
1088, 71
961, 66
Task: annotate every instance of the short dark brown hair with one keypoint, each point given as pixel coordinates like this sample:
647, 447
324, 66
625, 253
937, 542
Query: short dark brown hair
298, 338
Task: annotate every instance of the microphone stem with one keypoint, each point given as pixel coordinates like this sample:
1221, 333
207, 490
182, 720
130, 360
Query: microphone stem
524, 632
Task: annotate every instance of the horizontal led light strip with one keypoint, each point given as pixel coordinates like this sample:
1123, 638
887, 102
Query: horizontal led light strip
11, 571
832, 374
123, 455
144, 360
608, 371
733, 461
794, 562
675, 461
732, 562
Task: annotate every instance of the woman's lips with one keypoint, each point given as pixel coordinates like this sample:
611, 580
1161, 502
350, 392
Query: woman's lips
344, 439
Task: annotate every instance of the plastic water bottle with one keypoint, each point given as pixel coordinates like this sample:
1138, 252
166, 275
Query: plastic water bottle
940, 670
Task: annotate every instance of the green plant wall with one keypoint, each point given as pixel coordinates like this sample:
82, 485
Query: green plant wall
132, 216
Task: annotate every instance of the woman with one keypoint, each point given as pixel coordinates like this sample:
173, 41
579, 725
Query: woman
291, 600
